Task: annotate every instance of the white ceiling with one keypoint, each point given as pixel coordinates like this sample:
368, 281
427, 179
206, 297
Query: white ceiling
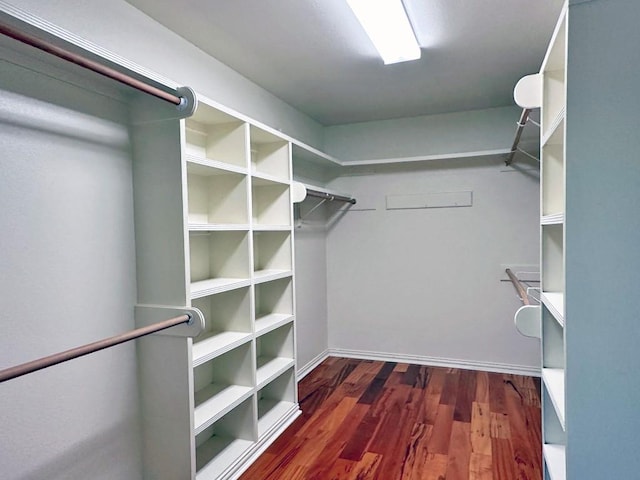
315, 56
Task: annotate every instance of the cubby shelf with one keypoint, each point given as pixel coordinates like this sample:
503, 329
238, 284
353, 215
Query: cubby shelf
270, 155
554, 382
270, 368
216, 196
212, 286
219, 262
214, 401
194, 161
555, 129
218, 454
554, 81
265, 179
270, 412
218, 138
555, 460
276, 400
552, 271
270, 203
262, 276
267, 323
217, 343
554, 301
552, 219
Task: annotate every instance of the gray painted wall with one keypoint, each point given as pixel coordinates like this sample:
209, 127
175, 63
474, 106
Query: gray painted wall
67, 259
311, 294
426, 282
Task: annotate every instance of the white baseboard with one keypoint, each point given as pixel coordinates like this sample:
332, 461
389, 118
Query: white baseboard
304, 371
437, 362
258, 448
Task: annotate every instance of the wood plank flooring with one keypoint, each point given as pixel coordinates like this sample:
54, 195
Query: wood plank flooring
366, 420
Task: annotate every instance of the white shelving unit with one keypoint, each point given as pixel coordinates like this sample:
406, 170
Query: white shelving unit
552, 249
589, 243
239, 225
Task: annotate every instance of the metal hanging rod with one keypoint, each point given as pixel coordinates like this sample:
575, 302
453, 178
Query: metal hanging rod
521, 123
90, 65
522, 292
44, 362
330, 196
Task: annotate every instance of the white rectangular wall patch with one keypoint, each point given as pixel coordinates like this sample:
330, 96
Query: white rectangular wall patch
430, 200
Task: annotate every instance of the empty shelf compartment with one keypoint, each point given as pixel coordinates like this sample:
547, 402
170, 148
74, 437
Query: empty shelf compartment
223, 444
275, 353
220, 384
276, 402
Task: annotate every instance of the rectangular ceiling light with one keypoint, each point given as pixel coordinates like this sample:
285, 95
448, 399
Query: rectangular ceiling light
388, 27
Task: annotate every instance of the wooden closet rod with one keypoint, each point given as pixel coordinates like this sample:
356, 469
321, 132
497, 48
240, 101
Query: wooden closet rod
330, 196
518, 286
60, 357
521, 123
90, 64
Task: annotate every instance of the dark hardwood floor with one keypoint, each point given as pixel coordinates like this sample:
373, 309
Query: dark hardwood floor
366, 420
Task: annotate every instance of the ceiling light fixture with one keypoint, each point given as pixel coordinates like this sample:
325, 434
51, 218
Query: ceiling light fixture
388, 27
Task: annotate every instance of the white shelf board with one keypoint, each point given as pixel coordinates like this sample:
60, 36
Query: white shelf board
216, 227
267, 323
555, 458
270, 412
211, 286
261, 276
271, 228
554, 128
269, 368
552, 219
210, 166
217, 343
260, 179
214, 401
223, 452
554, 382
554, 301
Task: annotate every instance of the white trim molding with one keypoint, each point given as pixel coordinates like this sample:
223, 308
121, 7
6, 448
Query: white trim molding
308, 368
438, 362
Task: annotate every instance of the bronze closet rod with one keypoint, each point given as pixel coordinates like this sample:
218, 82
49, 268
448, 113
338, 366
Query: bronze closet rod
329, 196
89, 64
56, 358
518, 286
521, 123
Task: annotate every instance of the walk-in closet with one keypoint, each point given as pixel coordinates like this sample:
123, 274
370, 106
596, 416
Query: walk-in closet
251, 241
